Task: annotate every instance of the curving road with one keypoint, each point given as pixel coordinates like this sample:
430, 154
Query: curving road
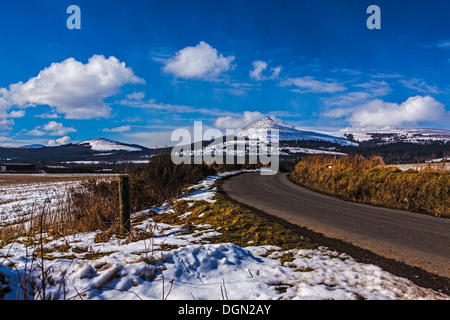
415, 239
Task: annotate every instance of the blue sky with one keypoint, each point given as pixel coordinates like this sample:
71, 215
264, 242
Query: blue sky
137, 70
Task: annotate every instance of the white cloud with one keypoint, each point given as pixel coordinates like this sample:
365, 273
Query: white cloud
152, 104
445, 44
152, 139
17, 114
378, 113
136, 95
236, 88
375, 88
117, 129
371, 89
15, 141
233, 122
6, 124
163, 138
60, 141
52, 128
347, 99
275, 72
47, 116
259, 67
200, 62
72, 88
309, 84
419, 86
338, 112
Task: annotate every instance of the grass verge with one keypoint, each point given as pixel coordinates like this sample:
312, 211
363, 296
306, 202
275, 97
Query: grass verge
358, 179
235, 224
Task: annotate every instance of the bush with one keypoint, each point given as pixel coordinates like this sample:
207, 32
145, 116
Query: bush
95, 204
161, 180
92, 206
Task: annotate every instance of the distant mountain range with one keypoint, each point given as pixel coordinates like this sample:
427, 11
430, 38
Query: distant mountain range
90, 150
32, 146
418, 144
344, 137
396, 145
388, 135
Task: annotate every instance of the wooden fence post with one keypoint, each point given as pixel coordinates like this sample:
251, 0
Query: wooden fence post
124, 205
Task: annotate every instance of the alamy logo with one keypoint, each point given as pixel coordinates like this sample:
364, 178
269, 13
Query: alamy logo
374, 21
226, 149
74, 20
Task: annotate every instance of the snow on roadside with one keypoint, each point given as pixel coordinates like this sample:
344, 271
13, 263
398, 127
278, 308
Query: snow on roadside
175, 265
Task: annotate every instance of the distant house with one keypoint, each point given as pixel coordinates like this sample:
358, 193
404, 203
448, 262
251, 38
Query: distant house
17, 167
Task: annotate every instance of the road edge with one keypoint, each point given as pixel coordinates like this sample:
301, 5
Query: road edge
416, 275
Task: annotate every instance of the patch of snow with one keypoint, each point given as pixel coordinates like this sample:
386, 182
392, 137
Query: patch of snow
106, 145
439, 160
388, 135
261, 128
195, 268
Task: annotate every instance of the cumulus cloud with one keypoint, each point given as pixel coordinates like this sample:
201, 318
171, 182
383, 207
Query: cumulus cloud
200, 62
309, 84
52, 128
259, 67
234, 122
72, 88
60, 141
378, 113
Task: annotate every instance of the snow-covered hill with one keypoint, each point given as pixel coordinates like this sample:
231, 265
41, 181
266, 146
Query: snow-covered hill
105, 145
390, 135
286, 131
262, 131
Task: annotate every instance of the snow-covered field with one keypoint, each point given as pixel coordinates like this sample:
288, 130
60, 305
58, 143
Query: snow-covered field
21, 199
310, 151
175, 265
421, 166
25, 196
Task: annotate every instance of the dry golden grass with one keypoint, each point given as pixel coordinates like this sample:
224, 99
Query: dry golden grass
358, 179
235, 223
93, 204
32, 202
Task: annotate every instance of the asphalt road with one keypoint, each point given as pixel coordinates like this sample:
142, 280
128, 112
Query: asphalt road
414, 239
